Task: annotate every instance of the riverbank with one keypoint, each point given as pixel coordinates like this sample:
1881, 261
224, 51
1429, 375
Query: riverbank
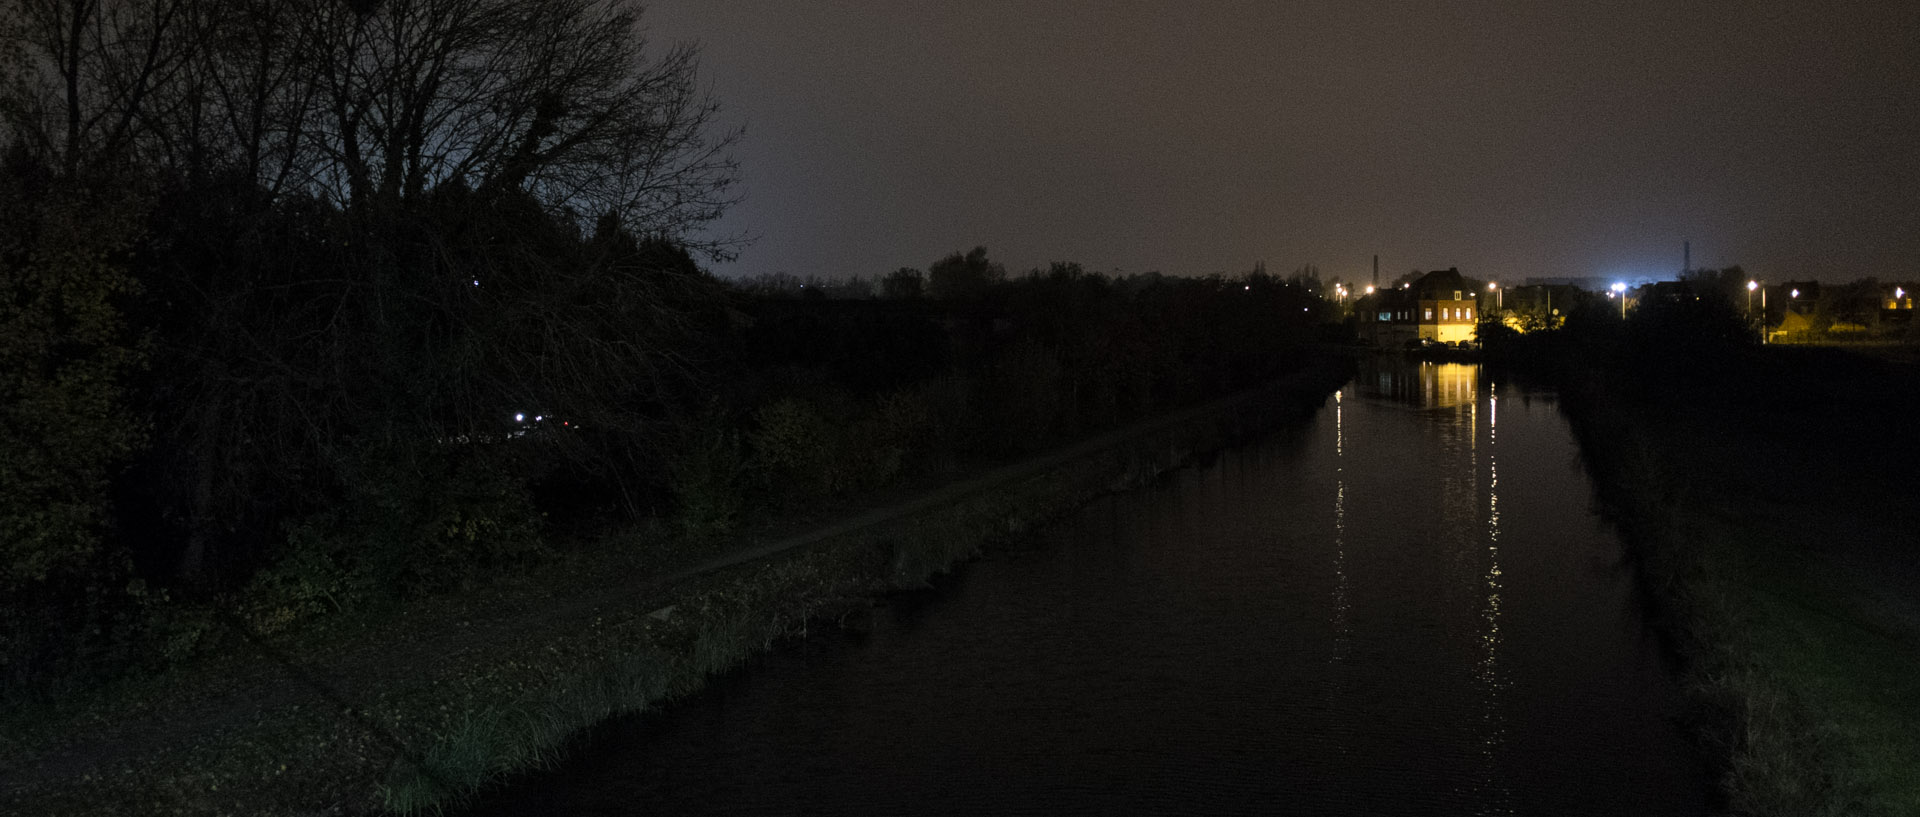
1767, 495
421, 710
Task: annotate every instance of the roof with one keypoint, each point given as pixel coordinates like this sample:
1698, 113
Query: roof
1441, 284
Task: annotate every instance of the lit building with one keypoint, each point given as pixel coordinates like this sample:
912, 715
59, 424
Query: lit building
1440, 306
1897, 299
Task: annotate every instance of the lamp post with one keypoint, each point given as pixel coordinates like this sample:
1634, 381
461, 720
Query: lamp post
1621, 290
1499, 295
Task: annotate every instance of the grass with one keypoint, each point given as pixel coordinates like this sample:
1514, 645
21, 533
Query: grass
1807, 672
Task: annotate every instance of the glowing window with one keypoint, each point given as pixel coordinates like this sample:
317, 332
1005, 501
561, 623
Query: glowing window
1429, 315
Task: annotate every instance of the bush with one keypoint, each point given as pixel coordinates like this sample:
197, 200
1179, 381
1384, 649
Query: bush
793, 450
64, 423
707, 479
1021, 398
414, 520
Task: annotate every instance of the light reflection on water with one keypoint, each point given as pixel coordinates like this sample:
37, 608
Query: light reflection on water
1404, 607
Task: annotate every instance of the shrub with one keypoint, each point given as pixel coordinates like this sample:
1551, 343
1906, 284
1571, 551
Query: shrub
707, 479
64, 423
1021, 398
414, 520
793, 450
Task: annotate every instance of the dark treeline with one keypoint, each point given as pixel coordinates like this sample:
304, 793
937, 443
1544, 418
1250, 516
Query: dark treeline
826, 395
310, 306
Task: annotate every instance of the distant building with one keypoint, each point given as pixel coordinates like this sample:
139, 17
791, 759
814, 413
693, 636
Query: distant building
1440, 306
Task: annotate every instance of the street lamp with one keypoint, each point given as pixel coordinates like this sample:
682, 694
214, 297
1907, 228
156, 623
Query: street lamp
1621, 289
1499, 295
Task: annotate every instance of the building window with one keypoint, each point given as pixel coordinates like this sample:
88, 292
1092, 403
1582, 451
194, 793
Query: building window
1469, 313
1429, 314
1383, 316
1456, 294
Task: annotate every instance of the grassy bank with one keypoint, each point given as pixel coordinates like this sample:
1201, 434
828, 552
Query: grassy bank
1768, 499
460, 690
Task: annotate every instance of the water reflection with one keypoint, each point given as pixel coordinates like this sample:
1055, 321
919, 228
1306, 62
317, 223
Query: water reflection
1342, 604
1426, 385
1494, 717
1450, 399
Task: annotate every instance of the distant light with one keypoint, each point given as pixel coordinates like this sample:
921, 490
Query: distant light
538, 418
519, 418
1796, 293
1369, 290
1248, 287
1492, 286
1753, 285
1303, 309
1619, 287
1899, 293
476, 282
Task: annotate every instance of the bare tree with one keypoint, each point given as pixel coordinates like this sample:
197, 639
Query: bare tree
84, 72
553, 97
368, 104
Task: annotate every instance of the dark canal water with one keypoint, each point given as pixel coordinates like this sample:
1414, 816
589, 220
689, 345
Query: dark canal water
1404, 607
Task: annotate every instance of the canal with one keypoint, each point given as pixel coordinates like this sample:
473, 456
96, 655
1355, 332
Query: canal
1403, 606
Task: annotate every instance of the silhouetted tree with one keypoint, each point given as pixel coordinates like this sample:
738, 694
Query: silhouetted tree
960, 276
1856, 303
901, 284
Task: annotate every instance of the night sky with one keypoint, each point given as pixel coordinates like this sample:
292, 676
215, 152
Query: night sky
1507, 139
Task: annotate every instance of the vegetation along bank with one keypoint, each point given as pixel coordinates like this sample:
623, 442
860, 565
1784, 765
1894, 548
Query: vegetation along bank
1766, 495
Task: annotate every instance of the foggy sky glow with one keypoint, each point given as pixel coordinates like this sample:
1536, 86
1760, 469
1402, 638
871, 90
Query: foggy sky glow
1508, 139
